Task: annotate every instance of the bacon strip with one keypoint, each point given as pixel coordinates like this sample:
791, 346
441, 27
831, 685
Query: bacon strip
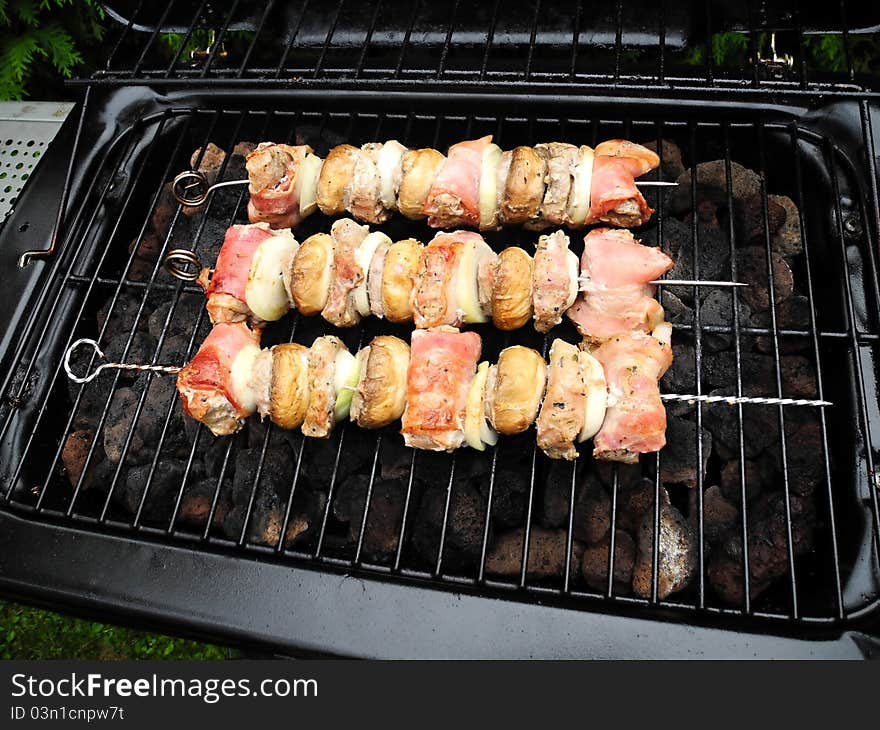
442, 364
635, 422
225, 287
614, 197
272, 171
616, 296
454, 199
205, 382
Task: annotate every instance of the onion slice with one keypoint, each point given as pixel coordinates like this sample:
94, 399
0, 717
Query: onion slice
596, 388
581, 186
363, 257
307, 183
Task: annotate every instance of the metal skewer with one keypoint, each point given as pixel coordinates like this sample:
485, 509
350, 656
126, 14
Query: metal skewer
187, 183
174, 369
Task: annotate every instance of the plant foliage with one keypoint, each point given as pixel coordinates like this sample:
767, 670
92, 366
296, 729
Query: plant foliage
37, 36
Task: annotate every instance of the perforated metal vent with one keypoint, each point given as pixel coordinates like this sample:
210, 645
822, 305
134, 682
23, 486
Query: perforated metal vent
26, 129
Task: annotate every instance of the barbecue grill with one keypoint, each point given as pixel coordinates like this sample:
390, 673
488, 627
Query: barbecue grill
112, 504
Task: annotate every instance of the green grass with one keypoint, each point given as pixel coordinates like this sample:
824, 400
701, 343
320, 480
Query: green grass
31, 633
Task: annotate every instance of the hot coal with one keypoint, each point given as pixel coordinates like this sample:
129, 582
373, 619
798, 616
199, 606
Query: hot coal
706, 213
768, 547
677, 552
210, 161
628, 475
717, 310
751, 268
786, 240
320, 460
464, 531
594, 563
719, 514
679, 463
547, 554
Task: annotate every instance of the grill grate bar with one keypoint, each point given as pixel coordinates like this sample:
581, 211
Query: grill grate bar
855, 351
175, 59
359, 69
744, 535
817, 359
771, 288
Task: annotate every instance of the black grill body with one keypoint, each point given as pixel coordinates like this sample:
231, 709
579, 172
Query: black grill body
126, 547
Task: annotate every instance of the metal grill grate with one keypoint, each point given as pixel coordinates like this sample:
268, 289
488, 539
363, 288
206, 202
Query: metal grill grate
610, 46
449, 511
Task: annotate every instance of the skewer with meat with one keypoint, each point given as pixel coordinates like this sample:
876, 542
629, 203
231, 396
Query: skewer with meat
635, 422
444, 397
456, 279
215, 385
248, 280
615, 294
476, 184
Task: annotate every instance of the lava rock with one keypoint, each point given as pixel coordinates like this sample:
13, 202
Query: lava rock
750, 218
74, 454
161, 492
141, 350
751, 269
677, 553
464, 529
594, 563
510, 494
713, 259
759, 475
676, 310
768, 547
276, 474
716, 310
633, 502
804, 455
210, 161
792, 314
195, 505
183, 319
722, 421
124, 315
556, 495
670, 158
786, 240
719, 514
547, 554
592, 511
711, 180
679, 462
161, 395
